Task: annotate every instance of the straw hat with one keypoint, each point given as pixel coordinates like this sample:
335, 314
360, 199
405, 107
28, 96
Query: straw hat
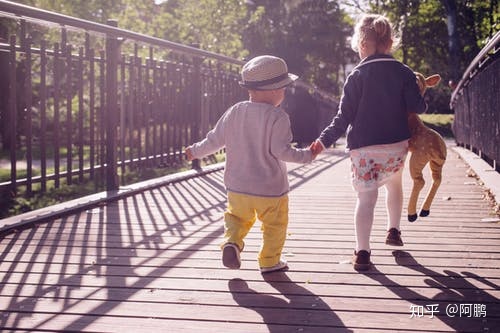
266, 73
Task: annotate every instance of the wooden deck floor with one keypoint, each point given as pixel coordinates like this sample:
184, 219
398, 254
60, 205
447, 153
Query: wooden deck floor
151, 263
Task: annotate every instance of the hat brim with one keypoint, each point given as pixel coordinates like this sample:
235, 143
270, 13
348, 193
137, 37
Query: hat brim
277, 85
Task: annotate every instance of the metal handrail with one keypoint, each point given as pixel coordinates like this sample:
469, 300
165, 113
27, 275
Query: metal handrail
32, 12
478, 61
152, 95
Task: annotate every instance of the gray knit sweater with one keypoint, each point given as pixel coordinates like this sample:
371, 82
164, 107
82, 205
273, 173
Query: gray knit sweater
257, 139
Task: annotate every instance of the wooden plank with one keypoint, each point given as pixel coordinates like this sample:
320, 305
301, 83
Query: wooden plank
152, 262
281, 312
357, 286
239, 289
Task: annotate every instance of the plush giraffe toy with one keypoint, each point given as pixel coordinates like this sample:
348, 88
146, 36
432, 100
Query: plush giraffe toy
426, 146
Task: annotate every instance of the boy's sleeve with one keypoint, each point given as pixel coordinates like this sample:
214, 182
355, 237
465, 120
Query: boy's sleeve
213, 142
281, 139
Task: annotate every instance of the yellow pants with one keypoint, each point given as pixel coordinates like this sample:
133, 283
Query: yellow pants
242, 212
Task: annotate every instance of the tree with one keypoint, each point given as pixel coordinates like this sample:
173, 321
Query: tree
93, 10
214, 25
440, 36
309, 34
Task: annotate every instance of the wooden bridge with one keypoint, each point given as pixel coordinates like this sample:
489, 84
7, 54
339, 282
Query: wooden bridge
149, 261
146, 257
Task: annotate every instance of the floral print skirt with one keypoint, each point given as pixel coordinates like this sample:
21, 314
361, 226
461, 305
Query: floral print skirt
372, 166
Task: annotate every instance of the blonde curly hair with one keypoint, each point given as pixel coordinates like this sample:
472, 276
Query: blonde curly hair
376, 30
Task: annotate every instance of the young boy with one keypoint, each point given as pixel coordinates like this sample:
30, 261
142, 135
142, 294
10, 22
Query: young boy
257, 136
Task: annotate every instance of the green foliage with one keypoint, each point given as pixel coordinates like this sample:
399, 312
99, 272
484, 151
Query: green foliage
93, 10
141, 174
20, 173
214, 25
482, 20
14, 204
4, 175
439, 122
425, 41
17, 204
310, 35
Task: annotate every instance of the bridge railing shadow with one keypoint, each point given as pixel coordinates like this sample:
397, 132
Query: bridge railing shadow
111, 253
115, 242
460, 304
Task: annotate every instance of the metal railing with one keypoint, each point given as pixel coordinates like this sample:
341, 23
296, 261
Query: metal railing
88, 101
476, 103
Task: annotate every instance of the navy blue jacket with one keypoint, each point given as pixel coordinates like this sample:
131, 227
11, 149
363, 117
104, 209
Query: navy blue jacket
375, 104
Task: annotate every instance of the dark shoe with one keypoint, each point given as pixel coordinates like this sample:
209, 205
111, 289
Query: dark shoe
231, 256
412, 218
394, 237
361, 260
424, 212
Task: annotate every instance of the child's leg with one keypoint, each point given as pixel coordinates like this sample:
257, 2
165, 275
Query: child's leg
363, 218
239, 218
394, 200
273, 212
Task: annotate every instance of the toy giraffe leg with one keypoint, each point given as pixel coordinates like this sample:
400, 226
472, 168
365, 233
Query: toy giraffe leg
436, 169
417, 164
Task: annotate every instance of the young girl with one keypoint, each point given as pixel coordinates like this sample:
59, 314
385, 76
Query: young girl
377, 97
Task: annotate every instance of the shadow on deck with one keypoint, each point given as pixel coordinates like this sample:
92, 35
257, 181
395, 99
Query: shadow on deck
151, 262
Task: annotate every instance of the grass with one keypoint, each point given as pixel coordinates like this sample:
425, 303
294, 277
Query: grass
14, 204
440, 123
20, 173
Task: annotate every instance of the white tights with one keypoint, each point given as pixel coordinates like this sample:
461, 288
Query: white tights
365, 206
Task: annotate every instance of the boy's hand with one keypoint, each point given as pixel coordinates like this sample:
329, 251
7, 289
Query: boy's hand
316, 147
189, 153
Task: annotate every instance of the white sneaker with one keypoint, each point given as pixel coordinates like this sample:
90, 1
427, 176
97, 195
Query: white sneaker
281, 265
231, 256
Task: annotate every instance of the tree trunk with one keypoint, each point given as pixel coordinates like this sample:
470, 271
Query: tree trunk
453, 41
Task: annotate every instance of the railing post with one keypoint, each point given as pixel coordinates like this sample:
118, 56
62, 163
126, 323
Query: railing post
196, 106
112, 54
12, 107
